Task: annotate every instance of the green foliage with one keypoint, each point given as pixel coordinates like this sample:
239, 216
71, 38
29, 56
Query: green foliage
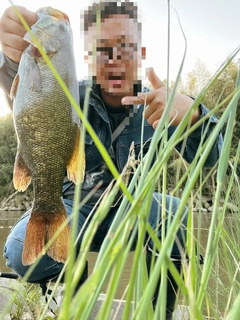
219, 92
8, 147
28, 300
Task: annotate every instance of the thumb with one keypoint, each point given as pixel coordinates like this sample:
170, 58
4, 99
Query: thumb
29, 16
153, 78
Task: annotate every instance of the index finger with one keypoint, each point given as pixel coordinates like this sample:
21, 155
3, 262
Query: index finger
141, 98
132, 100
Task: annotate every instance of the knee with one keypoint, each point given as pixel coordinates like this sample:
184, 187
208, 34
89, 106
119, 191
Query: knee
181, 235
47, 268
183, 219
13, 255
172, 205
14, 246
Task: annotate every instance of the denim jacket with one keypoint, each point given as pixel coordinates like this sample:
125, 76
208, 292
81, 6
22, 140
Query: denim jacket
99, 120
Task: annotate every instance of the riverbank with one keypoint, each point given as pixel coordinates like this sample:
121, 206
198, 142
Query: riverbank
19, 201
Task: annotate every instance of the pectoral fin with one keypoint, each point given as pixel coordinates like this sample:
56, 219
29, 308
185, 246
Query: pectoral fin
21, 174
76, 164
32, 74
14, 87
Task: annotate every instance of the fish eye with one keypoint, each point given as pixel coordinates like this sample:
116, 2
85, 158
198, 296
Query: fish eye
62, 26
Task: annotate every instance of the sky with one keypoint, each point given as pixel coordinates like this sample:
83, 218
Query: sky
211, 28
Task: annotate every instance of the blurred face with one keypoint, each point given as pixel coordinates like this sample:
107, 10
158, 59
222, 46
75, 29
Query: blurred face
114, 54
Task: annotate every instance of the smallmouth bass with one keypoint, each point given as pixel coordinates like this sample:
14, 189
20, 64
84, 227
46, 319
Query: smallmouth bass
48, 131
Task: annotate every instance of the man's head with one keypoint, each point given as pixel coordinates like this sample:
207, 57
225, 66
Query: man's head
113, 46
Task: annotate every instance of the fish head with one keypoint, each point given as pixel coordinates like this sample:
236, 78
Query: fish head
49, 30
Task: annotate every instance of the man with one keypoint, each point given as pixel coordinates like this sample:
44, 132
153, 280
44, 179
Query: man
114, 59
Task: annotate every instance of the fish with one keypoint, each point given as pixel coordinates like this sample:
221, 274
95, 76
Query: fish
48, 131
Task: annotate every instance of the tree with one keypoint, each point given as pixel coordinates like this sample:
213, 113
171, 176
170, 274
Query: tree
8, 147
224, 85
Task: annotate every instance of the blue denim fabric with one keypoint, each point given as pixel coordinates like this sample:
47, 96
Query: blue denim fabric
135, 131
48, 268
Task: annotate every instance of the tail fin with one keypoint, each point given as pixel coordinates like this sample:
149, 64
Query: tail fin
41, 228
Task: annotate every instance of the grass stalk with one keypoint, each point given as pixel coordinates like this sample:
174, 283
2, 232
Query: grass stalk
214, 227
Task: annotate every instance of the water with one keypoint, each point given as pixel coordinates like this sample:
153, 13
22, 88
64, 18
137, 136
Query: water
7, 221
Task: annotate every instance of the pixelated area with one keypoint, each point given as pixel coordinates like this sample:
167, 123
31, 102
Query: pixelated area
104, 9
130, 111
103, 53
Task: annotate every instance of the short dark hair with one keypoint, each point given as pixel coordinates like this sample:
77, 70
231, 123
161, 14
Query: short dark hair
107, 9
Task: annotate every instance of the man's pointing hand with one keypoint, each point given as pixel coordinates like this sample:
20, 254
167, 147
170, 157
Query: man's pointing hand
155, 101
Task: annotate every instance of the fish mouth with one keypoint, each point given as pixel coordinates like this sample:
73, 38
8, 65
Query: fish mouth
34, 52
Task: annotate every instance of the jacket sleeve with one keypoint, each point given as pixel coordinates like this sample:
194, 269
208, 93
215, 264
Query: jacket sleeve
194, 140
8, 70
